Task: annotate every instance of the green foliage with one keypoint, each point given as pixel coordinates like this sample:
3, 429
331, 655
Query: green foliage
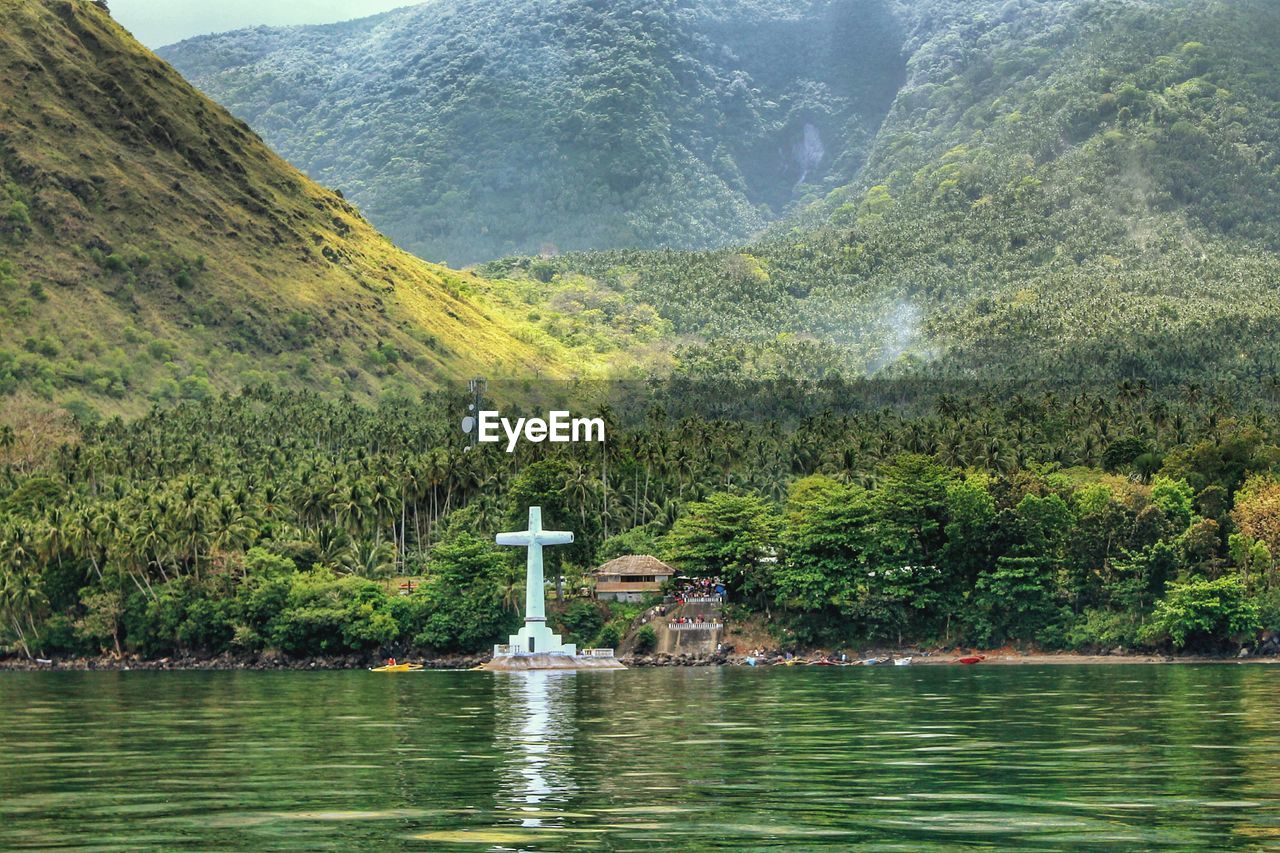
826, 543
260, 563
971, 514
733, 537
1203, 612
327, 615
581, 622
461, 604
1018, 597
1023, 212
1104, 629
100, 624
610, 637
655, 125
89, 276
637, 540
1174, 498
646, 640
541, 271
199, 517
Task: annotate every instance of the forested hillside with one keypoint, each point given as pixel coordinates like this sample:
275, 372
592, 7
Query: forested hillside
473, 129
153, 248
1068, 521
1067, 190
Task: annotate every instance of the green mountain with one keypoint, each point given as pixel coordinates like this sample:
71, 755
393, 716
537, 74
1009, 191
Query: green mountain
151, 246
473, 129
1067, 191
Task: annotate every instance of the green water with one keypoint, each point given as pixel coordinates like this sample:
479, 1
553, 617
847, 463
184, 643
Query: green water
1186, 757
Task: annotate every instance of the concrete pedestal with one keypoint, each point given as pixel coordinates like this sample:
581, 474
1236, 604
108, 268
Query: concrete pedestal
536, 638
527, 663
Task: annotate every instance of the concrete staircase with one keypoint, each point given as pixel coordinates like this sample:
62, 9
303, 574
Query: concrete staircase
690, 638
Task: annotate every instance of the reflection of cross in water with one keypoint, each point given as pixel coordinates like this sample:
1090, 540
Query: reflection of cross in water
533, 740
538, 725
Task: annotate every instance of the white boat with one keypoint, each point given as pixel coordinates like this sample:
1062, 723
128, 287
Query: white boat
902, 661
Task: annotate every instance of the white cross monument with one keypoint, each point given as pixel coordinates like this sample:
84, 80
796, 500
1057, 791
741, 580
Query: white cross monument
535, 637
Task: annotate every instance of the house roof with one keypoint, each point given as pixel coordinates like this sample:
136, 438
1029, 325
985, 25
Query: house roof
635, 564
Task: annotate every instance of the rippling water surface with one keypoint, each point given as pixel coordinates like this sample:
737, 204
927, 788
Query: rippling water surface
1183, 757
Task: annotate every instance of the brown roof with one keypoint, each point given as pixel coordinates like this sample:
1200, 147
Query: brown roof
635, 564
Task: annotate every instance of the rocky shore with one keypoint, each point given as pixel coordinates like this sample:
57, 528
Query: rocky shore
263, 663
997, 657
266, 663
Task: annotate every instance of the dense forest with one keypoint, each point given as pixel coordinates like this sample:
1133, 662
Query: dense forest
472, 129
272, 520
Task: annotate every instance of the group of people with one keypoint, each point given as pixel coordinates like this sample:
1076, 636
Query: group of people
709, 621
698, 588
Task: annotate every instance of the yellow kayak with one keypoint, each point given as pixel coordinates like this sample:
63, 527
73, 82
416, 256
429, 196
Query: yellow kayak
397, 667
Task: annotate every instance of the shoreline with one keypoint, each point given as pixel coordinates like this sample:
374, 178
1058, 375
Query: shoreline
466, 662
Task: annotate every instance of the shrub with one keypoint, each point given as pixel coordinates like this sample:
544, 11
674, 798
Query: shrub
637, 540
60, 636
1203, 613
582, 621
542, 271
461, 605
182, 617
325, 615
17, 218
610, 637
1099, 628
646, 640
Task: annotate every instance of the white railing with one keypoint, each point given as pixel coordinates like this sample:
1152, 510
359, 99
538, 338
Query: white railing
508, 649
694, 626
597, 653
704, 599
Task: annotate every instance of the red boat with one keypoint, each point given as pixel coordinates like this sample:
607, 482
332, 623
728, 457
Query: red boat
971, 659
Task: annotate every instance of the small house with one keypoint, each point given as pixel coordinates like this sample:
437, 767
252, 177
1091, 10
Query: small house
631, 578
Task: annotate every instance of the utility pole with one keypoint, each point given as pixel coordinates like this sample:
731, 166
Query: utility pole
471, 422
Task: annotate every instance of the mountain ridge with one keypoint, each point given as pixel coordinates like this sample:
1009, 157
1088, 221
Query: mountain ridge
471, 130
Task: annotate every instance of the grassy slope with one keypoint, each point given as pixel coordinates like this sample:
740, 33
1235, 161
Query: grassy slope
152, 244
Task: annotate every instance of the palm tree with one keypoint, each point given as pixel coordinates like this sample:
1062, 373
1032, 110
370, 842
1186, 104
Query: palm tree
511, 589
351, 506
374, 560
384, 504
21, 596
8, 438
332, 543
231, 529
580, 489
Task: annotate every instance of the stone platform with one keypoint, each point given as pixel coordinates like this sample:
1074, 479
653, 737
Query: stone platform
528, 663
